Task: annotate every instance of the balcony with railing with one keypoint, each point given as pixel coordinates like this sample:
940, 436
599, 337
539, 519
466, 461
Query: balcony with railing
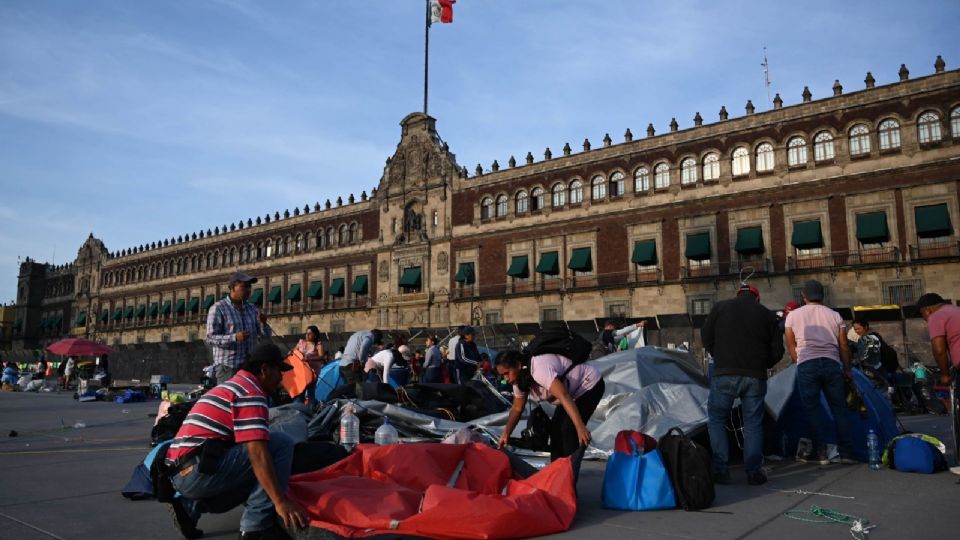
935, 250
700, 271
884, 255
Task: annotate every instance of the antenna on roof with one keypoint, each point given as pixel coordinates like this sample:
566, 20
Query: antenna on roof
766, 74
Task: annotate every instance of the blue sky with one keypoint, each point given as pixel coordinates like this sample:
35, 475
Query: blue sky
141, 120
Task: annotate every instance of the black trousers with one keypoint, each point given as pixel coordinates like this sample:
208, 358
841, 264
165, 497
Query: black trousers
563, 434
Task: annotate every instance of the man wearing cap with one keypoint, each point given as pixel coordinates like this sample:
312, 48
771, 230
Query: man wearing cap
817, 341
467, 356
224, 454
234, 326
745, 342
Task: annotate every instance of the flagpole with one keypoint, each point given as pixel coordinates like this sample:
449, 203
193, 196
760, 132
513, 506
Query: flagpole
426, 54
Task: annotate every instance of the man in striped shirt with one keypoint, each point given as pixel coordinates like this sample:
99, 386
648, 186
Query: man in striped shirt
233, 327
224, 454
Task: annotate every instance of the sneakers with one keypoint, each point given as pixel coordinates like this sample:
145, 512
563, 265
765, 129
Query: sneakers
809, 456
183, 521
756, 478
955, 470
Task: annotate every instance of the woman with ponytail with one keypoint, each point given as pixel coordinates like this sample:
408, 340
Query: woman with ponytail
575, 390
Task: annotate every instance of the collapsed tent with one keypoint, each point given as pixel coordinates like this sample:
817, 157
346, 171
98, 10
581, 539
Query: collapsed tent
784, 406
436, 491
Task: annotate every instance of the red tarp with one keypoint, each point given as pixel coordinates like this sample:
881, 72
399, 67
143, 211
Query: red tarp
402, 488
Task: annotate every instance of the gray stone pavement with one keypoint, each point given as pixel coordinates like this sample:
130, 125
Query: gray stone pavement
58, 481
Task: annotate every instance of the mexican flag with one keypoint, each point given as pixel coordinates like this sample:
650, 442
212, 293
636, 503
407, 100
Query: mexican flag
441, 11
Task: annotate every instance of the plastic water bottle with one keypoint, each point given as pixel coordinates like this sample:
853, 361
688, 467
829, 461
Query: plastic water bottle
873, 450
349, 428
386, 434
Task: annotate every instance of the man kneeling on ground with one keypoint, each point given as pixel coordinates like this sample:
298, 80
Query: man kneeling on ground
224, 454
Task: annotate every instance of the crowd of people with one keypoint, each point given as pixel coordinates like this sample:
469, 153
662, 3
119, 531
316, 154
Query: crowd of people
224, 455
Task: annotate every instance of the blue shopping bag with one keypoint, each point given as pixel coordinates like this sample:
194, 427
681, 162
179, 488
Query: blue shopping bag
637, 480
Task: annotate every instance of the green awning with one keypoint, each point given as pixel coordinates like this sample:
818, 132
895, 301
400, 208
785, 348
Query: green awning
181, 305
154, 309
316, 290
257, 297
359, 285
165, 308
411, 278
82, 318
104, 315
519, 267
276, 294
749, 241
872, 228
128, 313
933, 221
224, 295
208, 301
17, 325
644, 253
118, 314
698, 246
43, 323
193, 306
549, 263
57, 322
580, 260
465, 274
294, 292
806, 235
336, 287
142, 311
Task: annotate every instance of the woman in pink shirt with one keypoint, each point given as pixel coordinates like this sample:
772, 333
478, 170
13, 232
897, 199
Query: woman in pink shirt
576, 389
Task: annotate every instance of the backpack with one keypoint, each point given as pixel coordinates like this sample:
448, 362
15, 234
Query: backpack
563, 342
888, 357
167, 427
690, 468
913, 454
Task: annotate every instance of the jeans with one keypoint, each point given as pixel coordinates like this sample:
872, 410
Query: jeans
826, 375
223, 373
234, 484
724, 389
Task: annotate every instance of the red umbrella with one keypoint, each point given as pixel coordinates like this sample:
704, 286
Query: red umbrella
79, 347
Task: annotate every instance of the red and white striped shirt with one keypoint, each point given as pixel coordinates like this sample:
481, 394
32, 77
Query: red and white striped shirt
234, 411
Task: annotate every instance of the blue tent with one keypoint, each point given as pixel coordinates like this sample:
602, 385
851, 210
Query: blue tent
328, 380
783, 405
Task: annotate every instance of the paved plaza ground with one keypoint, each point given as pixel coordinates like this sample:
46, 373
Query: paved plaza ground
61, 481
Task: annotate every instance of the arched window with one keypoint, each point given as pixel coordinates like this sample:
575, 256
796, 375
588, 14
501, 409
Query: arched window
889, 134
521, 203
268, 249
928, 128
859, 138
711, 167
486, 208
796, 152
501, 205
536, 199
559, 195
823, 146
298, 244
223, 258
765, 159
259, 252
576, 192
307, 241
331, 237
661, 176
320, 244
233, 255
688, 172
344, 239
209, 264
741, 162
641, 180
955, 122
617, 184
353, 233
598, 188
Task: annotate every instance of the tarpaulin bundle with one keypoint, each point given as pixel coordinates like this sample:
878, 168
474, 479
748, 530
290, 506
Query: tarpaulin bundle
436, 491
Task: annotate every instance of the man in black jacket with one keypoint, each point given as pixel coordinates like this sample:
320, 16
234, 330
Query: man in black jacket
745, 341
